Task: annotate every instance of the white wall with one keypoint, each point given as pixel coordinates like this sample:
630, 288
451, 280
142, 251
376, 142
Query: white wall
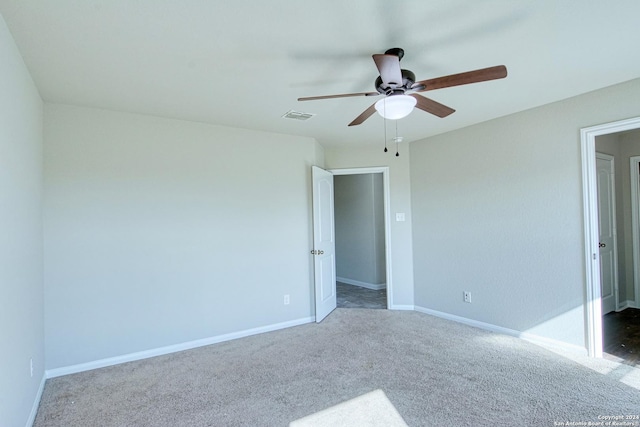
497, 210
400, 201
359, 222
21, 283
160, 232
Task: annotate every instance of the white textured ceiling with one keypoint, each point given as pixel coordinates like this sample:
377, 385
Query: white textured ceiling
243, 63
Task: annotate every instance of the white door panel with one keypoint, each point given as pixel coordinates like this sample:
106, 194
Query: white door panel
324, 245
607, 232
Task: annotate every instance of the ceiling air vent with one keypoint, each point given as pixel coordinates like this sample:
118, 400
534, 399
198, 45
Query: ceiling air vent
297, 115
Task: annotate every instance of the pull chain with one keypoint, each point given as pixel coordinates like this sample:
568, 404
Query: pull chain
384, 119
397, 140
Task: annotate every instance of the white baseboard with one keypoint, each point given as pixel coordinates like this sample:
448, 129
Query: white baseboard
402, 307
374, 286
52, 373
548, 343
623, 306
57, 372
627, 304
36, 403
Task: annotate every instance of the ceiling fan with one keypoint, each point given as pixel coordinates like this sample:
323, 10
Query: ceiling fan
400, 88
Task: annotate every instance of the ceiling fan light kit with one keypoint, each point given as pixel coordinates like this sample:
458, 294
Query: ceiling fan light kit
395, 107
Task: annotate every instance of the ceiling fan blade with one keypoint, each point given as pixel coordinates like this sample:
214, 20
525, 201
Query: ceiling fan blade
431, 106
389, 68
364, 116
344, 95
476, 76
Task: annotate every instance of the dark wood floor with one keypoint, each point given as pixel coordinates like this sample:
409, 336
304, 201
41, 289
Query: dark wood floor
621, 333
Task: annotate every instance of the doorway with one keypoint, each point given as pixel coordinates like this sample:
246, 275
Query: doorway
361, 207
594, 292
360, 242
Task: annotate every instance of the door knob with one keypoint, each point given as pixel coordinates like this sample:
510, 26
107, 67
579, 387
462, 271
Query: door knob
602, 245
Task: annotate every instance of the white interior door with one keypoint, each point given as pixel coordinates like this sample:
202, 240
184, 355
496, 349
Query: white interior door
607, 231
324, 243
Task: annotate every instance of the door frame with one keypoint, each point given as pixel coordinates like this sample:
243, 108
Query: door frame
387, 218
634, 165
593, 306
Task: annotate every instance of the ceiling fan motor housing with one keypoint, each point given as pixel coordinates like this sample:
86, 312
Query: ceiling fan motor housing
396, 51
408, 79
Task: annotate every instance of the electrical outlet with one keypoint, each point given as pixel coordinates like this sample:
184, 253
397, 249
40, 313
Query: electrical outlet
31, 366
286, 300
466, 296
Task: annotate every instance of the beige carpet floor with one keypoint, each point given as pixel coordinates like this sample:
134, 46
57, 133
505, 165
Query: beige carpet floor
432, 371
